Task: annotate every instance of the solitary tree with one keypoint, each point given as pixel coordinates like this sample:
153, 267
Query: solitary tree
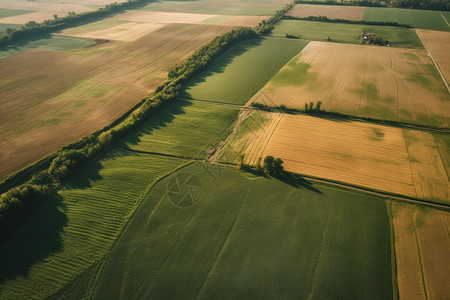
318, 105
273, 166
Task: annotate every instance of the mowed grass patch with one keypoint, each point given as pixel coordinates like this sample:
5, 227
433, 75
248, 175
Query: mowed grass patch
67, 235
249, 237
242, 71
47, 42
425, 19
345, 33
184, 128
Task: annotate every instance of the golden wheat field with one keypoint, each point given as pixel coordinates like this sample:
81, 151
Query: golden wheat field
85, 89
369, 81
422, 242
379, 157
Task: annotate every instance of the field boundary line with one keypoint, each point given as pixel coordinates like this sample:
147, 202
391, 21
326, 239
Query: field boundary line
394, 272
419, 252
443, 17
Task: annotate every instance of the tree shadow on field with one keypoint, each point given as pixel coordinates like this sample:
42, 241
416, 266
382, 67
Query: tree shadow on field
36, 240
219, 65
332, 117
159, 119
298, 181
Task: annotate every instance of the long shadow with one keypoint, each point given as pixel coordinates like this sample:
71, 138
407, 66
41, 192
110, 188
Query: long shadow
156, 121
298, 181
36, 240
218, 66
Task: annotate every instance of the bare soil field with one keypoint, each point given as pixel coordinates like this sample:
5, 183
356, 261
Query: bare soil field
406, 162
437, 42
330, 11
430, 175
370, 81
422, 241
69, 95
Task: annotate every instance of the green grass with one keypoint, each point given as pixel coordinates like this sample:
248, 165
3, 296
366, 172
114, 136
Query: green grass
240, 8
67, 235
4, 13
3, 27
47, 42
425, 19
241, 72
184, 128
345, 33
250, 237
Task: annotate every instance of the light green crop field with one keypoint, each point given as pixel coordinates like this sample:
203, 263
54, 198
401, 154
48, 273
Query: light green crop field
4, 13
248, 237
345, 33
241, 72
426, 19
69, 234
47, 42
228, 7
184, 128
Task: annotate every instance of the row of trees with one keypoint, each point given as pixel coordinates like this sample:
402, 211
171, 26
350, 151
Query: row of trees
327, 20
18, 202
32, 28
417, 4
266, 27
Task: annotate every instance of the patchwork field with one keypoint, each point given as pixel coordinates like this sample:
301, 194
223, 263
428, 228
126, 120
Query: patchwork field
71, 234
425, 19
437, 43
86, 89
358, 153
223, 7
184, 128
421, 246
233, 242
346, 33
259, 59
330, 11
368, 81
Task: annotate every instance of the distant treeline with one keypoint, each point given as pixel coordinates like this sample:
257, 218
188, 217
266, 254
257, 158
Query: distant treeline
417, 4
370, 3
18, 202
33, 29
325, 19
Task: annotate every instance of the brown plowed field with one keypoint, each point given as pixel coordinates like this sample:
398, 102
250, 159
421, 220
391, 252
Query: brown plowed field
371, 81
422, 244
329, 11
49, 99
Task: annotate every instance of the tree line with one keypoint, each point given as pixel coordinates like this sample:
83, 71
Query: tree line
32, 28
416, 4
17, 203
265, 27
345, 21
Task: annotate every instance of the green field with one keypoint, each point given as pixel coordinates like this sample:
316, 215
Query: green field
67, 235
426, 19
234, 8
241, 72
345, 33
184, 128
252, 238
47, 42
4, 13
3, 27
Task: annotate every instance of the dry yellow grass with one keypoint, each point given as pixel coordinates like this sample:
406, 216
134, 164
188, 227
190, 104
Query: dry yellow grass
406, 162
422, 244
372, 81
330, 11
162, 17
248, 21
437, 42
430, 175
68, 96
